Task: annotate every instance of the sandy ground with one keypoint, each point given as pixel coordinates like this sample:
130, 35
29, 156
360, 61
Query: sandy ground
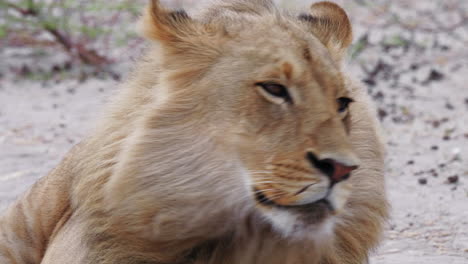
418, 80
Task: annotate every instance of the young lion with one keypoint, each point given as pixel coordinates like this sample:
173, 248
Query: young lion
238, 141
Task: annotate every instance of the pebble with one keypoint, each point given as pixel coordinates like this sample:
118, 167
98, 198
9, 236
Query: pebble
382, 113
452, 179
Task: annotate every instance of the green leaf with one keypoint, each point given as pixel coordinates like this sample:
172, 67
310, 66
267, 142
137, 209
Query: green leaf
395, 40
3, 31
358, 47
92, 32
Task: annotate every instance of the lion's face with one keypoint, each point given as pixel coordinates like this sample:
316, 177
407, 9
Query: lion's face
289, 113
273, 95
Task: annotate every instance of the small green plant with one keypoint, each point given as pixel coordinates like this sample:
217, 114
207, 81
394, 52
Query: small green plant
85, 30
358, 47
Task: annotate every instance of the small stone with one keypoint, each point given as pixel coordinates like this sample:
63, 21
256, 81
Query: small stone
449, 106
452, 179
379, 96
433, 172
434, 147
56, 68
370, 82
414, 66
382, 113
444, 48
435, 75
422, 181
410, 162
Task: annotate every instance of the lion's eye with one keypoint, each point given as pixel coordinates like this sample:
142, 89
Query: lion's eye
343, 103
276, 90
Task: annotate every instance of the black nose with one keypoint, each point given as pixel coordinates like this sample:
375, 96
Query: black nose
335, 170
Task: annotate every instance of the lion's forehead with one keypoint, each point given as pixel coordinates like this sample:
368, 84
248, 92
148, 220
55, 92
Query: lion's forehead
285, 50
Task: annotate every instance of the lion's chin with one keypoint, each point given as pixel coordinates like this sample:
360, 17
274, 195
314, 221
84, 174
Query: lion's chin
313, 221
295, 225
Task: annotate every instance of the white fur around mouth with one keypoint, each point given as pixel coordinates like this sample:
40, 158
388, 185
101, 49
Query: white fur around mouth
295, 225
311, 220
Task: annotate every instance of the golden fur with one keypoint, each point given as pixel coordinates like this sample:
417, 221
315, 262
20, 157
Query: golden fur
171, 173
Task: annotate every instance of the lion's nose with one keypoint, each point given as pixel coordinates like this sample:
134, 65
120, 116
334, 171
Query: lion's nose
335, 170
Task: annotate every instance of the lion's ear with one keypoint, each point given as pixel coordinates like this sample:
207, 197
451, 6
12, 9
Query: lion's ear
164, 25
330, 24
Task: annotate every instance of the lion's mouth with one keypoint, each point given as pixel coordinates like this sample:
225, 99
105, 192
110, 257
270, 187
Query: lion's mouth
322, 204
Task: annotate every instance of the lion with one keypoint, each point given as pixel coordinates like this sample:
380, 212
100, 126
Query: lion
239, 139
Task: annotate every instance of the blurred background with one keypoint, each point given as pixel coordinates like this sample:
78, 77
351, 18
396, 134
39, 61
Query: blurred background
60, 61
